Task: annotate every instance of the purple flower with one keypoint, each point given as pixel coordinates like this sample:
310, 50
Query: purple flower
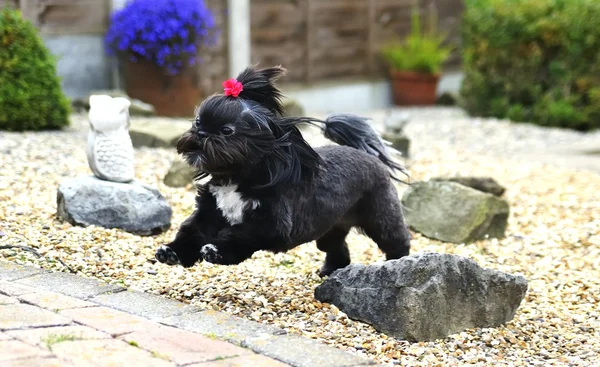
165, 32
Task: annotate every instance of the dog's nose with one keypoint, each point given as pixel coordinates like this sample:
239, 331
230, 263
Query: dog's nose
166, 255
202, 134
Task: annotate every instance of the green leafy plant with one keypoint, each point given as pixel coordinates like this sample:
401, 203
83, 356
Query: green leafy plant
421, 51
533, 61
31, 97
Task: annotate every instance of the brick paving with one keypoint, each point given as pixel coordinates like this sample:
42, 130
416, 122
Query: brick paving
87, 323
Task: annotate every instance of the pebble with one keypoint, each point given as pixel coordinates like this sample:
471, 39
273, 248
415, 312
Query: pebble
553, 239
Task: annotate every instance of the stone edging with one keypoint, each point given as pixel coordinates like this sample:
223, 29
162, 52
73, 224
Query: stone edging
295, 350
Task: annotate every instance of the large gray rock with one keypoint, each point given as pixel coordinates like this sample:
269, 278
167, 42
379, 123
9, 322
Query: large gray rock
133, 207
157, 133
452, 212
484, 184
424, 296
180, 174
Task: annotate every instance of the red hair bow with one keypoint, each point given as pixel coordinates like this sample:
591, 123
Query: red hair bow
232, 87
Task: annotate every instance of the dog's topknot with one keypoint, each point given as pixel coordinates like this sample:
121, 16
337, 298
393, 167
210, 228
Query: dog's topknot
259, 86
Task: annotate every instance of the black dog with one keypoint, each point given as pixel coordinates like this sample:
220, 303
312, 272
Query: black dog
270, 190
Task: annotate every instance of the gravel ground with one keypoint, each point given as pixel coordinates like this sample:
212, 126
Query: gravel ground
553, 239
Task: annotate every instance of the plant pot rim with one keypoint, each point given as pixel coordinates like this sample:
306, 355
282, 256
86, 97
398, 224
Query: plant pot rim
413, 74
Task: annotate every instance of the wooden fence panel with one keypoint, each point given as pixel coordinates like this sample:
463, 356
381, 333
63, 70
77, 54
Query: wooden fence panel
332, 39
278, 35
214, 67
67, 16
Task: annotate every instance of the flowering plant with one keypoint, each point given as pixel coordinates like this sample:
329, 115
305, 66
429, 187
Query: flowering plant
165, 32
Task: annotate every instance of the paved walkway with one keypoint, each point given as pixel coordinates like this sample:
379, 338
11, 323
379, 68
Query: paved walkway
58, 319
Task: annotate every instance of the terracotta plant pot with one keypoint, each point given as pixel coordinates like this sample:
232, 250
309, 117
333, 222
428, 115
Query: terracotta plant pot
411, 88
171, 95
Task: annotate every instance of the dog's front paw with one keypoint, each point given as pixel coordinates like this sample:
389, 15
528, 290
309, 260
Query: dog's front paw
211, 254
166, 255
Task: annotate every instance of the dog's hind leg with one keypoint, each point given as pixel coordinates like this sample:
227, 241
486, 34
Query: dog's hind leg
382, 220
333, 243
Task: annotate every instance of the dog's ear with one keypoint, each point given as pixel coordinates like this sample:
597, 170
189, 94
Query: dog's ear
259, 86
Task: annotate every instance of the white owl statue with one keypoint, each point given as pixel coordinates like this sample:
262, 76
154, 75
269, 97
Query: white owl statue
109, 148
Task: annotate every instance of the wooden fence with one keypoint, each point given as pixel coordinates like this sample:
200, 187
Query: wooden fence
316, 40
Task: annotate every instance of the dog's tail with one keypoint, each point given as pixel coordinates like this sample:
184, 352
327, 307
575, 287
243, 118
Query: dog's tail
355, 131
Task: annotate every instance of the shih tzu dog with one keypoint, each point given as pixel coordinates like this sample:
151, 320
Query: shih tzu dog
270, 190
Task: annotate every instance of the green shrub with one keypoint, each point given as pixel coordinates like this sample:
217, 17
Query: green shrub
421, 51
533, 61
31, 97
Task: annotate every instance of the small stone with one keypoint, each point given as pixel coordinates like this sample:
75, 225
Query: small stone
133, 207
425, 296
292, 108
180, 174
400, 142
454, 213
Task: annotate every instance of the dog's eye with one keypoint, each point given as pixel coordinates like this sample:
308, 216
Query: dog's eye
197, 122
226, 130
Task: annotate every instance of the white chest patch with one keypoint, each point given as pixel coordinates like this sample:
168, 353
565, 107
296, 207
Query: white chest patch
231, 203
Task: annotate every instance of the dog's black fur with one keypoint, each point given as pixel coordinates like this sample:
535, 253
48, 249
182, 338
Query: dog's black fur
270, 190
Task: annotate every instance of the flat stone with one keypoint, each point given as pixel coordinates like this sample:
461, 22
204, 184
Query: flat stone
132, 207
183, 347
425, 296
451, 212
157, 133
108, 320
47, 337
147, 305
36, 362
266, 339
15, 289
249, 360
70, 284
54, 301
20, 316
6, 300
15, 349
483, 184
112, 352
10, 271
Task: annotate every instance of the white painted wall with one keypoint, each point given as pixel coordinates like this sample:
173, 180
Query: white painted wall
357, 96
239, 35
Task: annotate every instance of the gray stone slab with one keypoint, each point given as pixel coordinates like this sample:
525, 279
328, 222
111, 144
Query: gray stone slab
264, 339
303, 352
222, 326
70, 284
10, 271
150, 306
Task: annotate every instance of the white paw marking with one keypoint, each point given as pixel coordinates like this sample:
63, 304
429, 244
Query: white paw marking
209, 248
231, 203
